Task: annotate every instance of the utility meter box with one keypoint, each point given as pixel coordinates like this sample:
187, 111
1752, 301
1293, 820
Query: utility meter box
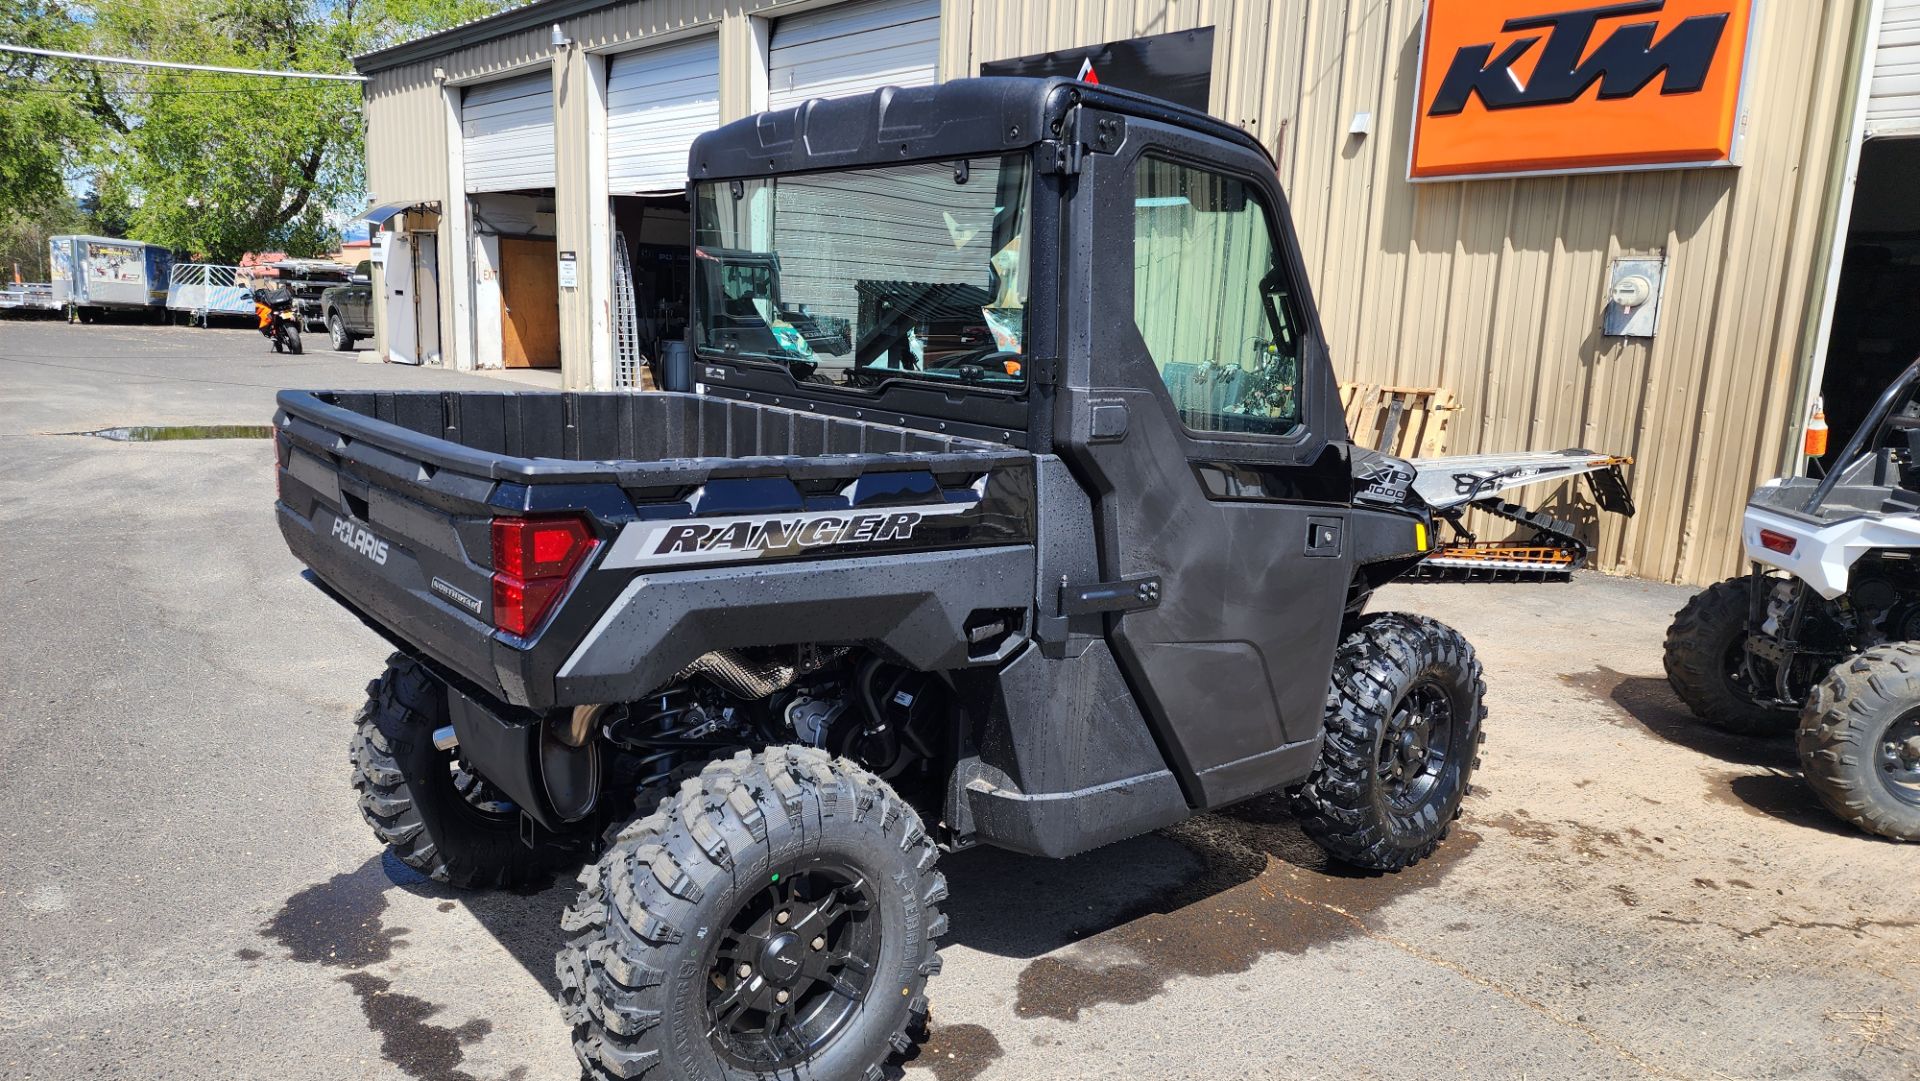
1633, 297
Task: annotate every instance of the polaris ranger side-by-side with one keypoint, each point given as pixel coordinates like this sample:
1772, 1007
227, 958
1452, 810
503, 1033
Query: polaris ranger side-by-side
1024, 514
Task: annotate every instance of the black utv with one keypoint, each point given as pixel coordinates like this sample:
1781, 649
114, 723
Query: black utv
1069, 544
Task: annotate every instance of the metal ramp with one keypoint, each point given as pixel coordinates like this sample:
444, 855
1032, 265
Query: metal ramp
629, 363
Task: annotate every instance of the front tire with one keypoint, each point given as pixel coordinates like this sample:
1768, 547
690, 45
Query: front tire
1705, 662
437, 818
683, 963
1403, 733
1859, 741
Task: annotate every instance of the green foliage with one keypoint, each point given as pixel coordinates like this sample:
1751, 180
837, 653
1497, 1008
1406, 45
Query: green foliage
49, 112
23, 238
210, 164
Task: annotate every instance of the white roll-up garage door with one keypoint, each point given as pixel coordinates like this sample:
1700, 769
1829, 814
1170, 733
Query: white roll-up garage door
506, 131
1894, 108
853, 48
658, 99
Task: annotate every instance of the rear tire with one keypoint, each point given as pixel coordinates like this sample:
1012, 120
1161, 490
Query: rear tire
1403, 734
1704, 647
294, 345
688, 898
1859, 741
337, 330
446, 823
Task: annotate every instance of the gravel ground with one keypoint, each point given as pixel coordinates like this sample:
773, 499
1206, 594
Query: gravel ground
187, 891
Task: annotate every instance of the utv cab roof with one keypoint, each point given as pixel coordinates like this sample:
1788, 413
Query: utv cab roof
962, 118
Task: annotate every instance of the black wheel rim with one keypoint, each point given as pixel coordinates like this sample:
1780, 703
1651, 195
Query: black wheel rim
1898, 758
1416, 746
793, 967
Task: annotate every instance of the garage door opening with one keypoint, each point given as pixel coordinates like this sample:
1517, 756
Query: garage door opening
651, 287
516, 287
658, 100
1874, 333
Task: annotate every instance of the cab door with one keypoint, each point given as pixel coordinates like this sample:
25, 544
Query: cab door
1200, 410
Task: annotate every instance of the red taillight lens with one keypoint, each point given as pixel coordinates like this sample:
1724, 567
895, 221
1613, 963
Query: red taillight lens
518, 607
1777, 542
533, 558
539, 547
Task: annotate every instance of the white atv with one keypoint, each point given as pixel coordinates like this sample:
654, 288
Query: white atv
1822, 639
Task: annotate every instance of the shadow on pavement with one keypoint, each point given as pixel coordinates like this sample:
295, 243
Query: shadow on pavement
1783, 794
1207, 897
1649, 703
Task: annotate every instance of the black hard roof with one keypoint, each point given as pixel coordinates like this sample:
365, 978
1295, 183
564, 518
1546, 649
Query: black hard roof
961, 118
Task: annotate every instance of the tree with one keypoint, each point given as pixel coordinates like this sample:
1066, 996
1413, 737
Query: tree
211, 164
50, 112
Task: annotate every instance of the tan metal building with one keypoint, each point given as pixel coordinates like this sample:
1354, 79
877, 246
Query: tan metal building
512, 151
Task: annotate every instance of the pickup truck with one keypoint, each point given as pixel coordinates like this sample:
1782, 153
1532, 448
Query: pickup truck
762, 648
347, 310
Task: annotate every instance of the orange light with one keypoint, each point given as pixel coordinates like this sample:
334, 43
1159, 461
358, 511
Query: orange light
1817, 431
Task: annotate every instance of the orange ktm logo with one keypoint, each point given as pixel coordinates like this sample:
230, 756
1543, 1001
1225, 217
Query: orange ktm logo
1514, 87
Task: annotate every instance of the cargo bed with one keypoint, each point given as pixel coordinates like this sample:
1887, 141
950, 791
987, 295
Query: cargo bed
390, 499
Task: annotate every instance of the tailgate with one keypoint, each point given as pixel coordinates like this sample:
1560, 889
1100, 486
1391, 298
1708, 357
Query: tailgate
402, 542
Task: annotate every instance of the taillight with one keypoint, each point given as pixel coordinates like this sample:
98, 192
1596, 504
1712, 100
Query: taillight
1777, 542
533, 558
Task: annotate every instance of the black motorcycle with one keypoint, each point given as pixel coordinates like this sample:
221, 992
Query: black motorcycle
279, 320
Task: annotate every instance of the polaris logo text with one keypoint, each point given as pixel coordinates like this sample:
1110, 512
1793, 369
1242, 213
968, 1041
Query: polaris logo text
360, 540
1624, 64
715, 540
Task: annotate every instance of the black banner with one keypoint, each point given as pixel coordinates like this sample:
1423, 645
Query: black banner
1177, 66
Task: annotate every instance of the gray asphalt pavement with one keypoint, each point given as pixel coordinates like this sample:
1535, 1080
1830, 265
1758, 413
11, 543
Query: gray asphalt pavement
187, 890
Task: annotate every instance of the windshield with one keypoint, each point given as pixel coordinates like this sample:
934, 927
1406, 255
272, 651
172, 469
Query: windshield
859, 277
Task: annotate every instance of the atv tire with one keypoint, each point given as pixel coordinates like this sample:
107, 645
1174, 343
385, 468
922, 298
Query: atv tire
438, 819
1859, 741
1704, 646
1403, 734
680, 966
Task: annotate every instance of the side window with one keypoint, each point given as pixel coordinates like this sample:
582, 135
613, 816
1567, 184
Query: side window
1211, 302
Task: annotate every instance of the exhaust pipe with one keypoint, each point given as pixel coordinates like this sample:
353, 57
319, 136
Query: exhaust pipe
750, 679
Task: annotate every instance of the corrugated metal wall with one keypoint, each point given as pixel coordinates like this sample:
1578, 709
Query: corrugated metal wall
406, 136
1491, 288
1494, 288
1895, 108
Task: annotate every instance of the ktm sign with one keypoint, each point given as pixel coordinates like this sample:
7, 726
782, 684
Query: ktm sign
1510, 87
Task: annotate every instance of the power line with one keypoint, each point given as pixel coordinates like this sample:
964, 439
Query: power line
136, 90
93, 59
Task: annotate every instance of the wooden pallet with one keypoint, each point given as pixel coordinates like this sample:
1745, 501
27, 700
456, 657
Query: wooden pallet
1406, 422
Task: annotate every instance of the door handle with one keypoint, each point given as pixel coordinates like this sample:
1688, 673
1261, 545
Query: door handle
1323, 537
